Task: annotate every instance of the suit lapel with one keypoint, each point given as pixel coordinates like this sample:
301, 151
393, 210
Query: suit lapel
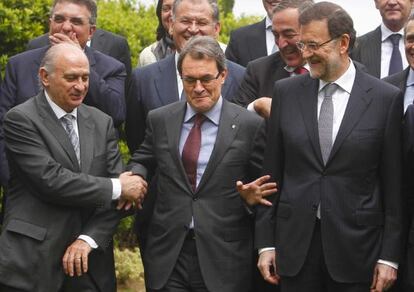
308, 102
358, 102
55, 127
173, 123
86, 138
228, 127
166, 81
98, 40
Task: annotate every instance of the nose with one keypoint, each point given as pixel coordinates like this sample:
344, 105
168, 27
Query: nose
193, 28
281, 42
67, 26
306, 53
198, 87
80, 84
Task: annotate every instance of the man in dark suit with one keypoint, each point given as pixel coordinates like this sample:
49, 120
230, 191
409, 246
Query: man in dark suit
104, 41
405, 81
71, 22
375, 49
253, 41
64, 163
333, 147
200, 232
261, 74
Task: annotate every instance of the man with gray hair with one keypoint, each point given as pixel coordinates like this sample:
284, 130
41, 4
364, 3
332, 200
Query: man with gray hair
65, 170
200, 235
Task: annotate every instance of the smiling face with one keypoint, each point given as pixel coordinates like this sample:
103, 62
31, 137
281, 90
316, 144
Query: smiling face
67, 84
191, 19
330, 60
72, 19
409, 42
286, 30
202, 97
394, 13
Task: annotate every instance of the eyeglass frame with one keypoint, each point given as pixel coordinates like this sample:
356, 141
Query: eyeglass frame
191, 81
76, 21
303, 46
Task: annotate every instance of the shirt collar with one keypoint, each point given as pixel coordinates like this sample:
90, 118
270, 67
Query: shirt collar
290, 69
268, 23
410, 78
386, 32
213, 114
346, 81
59, 112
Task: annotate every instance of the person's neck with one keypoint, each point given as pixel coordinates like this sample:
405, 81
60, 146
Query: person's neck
394, 27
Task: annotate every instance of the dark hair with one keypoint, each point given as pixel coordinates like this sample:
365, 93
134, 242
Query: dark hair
213, 5
89, 4
201, 47
301, 5
161, 32
339, 21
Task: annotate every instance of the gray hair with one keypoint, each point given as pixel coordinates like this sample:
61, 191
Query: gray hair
213, 4
203, 47
301, 5
89, 4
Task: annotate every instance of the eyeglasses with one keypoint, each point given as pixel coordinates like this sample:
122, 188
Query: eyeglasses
205, 80
312, 46
200, 23
76, 21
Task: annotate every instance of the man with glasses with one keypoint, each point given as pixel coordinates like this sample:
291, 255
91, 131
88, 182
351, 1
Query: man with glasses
261, 74
334, 149
253, 41
200, 236
71, 21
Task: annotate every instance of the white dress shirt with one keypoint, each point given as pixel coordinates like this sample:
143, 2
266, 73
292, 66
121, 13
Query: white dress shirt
386, 49
270, 38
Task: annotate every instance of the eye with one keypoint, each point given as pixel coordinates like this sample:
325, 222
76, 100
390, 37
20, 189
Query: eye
76, 21
58, 18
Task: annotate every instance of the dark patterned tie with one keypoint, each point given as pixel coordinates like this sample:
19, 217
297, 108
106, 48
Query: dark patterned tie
73, 137
191, 150
396, 60
325, 123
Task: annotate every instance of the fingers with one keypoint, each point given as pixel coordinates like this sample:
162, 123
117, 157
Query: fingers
265, 202
75, 259
267, 267
384, 277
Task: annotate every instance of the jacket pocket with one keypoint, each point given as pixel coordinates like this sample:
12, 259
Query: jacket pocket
27, 229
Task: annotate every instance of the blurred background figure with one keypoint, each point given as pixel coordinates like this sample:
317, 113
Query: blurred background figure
164, 45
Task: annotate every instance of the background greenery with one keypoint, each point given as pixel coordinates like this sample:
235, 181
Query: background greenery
22, 20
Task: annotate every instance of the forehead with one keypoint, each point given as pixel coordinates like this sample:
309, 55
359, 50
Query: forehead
409, 29
286, 17
72, 62
206, 65
314, 30
71, 9
197, 9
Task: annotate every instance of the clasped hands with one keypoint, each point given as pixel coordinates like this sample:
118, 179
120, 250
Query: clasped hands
134, 188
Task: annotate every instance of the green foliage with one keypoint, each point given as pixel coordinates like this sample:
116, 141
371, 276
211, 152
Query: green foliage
226, 6
128, 265
229, 23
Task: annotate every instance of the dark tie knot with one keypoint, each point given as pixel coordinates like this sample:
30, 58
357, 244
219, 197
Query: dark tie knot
395, 39
330, 89
199, 120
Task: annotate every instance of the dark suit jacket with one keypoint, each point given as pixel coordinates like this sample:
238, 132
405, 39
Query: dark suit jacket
260, 77
222, 223
155, 85
247, 43
104, 41
51, 200
359, 189
106, 87
367, 50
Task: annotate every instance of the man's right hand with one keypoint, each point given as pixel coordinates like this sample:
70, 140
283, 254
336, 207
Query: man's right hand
267, 266
133, 190
262, 106
58, 38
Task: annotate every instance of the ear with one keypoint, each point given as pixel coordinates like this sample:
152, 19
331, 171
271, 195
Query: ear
217, 28
92, 31
44, 77
224, 75
344, 43
377, 4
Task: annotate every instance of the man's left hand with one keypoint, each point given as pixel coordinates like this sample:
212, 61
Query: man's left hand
384, 277
75, 259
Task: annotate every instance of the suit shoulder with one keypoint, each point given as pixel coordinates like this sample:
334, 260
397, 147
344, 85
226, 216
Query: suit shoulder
113, 37
247, 29
95, 112
369, 35
396, 78
273, 59
235, 69
34, 54
106, 59
245, 115
150, 70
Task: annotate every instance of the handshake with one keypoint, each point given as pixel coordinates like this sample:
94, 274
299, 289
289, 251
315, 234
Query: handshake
133, 191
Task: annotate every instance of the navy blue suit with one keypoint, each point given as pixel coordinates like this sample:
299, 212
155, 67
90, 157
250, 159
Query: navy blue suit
106, 88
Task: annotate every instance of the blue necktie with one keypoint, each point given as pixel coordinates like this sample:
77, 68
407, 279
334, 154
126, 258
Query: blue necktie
396, 60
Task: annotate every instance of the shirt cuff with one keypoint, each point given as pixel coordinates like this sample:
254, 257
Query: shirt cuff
250, 107
88, 240
265, 249
116, 188
388, 263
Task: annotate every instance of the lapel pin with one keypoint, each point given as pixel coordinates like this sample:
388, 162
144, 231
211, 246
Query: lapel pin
233, 126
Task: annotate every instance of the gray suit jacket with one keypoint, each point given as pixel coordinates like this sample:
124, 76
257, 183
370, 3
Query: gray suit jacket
359, 188
367, 50
52, 200
223, 227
